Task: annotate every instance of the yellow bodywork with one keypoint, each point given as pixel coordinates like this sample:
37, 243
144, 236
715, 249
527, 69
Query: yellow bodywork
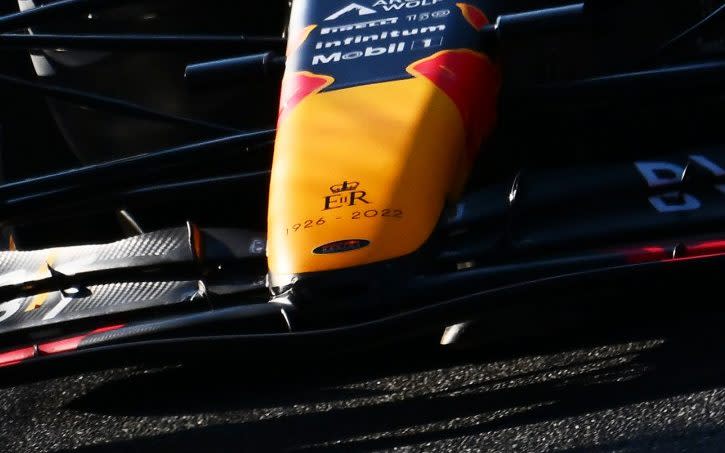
372, 163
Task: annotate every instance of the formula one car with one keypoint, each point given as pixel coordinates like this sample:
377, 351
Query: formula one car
432, 160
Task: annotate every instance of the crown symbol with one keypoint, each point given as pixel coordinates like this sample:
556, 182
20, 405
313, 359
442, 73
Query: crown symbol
347, 186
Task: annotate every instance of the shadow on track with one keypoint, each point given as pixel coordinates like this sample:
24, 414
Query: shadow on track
412, 396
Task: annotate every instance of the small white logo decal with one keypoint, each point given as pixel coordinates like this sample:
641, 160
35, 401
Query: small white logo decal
361, 11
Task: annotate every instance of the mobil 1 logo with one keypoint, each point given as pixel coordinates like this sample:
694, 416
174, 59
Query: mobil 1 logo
390, 32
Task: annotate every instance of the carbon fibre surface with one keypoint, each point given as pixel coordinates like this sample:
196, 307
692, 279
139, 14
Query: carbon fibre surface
94, 301
161, 247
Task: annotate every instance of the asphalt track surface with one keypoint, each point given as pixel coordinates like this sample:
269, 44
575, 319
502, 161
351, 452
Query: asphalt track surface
651, 386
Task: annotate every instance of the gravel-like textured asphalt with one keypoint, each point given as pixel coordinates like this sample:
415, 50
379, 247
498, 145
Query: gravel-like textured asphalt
639, 390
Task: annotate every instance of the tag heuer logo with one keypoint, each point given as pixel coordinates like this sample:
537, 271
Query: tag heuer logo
361, 11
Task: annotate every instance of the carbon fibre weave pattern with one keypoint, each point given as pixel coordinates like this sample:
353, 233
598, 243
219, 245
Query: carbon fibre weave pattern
94, 301
160, 247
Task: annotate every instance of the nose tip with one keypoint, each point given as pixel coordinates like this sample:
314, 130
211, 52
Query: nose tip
368, 288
